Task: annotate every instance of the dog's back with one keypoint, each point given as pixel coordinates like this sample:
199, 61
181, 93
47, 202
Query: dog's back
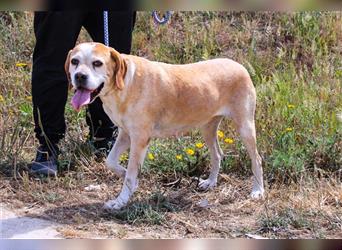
179, 97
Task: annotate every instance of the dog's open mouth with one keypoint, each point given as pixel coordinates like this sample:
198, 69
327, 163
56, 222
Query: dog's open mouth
84, 96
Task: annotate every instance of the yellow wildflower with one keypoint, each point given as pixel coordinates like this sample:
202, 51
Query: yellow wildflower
229, 140
179, 157
29, 98
21, 64
190, 151
124, 157
290, 106
150, 156
199, 145
2, 98
289, 129
220, 134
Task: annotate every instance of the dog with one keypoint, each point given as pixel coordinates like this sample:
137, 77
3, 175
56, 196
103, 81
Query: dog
148, 99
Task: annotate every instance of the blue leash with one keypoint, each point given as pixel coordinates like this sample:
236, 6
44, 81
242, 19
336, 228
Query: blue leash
163, 20
105, 28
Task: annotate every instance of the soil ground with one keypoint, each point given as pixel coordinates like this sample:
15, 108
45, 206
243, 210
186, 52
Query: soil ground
164, 208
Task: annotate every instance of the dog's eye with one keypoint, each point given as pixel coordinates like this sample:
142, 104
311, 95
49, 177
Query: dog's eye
97, 63
75, 61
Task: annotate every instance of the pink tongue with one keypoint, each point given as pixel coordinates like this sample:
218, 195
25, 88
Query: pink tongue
81, 98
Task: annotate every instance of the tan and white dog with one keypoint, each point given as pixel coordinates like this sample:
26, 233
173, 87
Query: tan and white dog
148, 99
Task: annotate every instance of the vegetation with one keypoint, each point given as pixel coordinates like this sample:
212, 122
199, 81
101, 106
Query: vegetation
295, 63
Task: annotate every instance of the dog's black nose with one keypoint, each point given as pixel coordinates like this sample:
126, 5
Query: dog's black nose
81, 79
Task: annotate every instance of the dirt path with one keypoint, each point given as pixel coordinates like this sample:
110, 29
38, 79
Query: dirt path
13, 226
157, 210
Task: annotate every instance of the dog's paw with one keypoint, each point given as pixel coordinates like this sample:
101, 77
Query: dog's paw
206, 184
257, 194
118, 170
113, 205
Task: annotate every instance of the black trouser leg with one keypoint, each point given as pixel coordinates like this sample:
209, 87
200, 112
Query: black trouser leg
56, 33
120, 37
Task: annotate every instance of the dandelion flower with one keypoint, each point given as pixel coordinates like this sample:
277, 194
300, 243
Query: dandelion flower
289, 129
290, 106
179, 157
124, 157
190, 151
220, 134
21, 64
2, 98
150, 156
229, 140
29, 98
199, 145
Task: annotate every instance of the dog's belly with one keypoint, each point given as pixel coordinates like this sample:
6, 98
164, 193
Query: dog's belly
164, 130
171, 132
177, 123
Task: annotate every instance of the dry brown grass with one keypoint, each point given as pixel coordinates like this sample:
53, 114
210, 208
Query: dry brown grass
293, 58
310, 209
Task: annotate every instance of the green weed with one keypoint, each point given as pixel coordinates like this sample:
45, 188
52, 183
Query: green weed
293, 58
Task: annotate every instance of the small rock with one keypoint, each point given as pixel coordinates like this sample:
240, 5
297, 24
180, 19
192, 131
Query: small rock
93, 188
254, 236
203, 203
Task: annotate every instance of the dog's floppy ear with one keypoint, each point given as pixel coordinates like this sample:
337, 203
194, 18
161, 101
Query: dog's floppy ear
120, 69
66, 68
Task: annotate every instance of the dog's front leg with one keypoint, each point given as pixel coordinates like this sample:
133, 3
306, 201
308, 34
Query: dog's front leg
137, 154
121, 145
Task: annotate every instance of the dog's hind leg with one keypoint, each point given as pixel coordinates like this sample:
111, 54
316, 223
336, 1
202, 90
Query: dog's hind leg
209, 132
121, 145
244, 122
138, 151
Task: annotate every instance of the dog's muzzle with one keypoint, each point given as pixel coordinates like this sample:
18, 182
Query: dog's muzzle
81, 79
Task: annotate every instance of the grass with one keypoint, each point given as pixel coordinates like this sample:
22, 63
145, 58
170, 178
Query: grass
282, 220
295, 62
151, 211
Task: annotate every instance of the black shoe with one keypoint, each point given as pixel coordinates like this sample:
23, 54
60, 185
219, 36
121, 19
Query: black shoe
46, 161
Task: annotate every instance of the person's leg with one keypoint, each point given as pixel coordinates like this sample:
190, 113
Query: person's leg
56, 33
120, 37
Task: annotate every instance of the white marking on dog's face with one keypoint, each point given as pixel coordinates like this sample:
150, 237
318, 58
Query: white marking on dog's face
84, 62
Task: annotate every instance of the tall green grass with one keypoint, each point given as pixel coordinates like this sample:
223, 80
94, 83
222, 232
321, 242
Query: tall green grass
295, 63
294, 60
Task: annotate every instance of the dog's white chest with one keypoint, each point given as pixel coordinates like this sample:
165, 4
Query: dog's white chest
113, 114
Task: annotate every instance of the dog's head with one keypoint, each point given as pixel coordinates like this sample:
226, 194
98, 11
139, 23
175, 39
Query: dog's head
90, 67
